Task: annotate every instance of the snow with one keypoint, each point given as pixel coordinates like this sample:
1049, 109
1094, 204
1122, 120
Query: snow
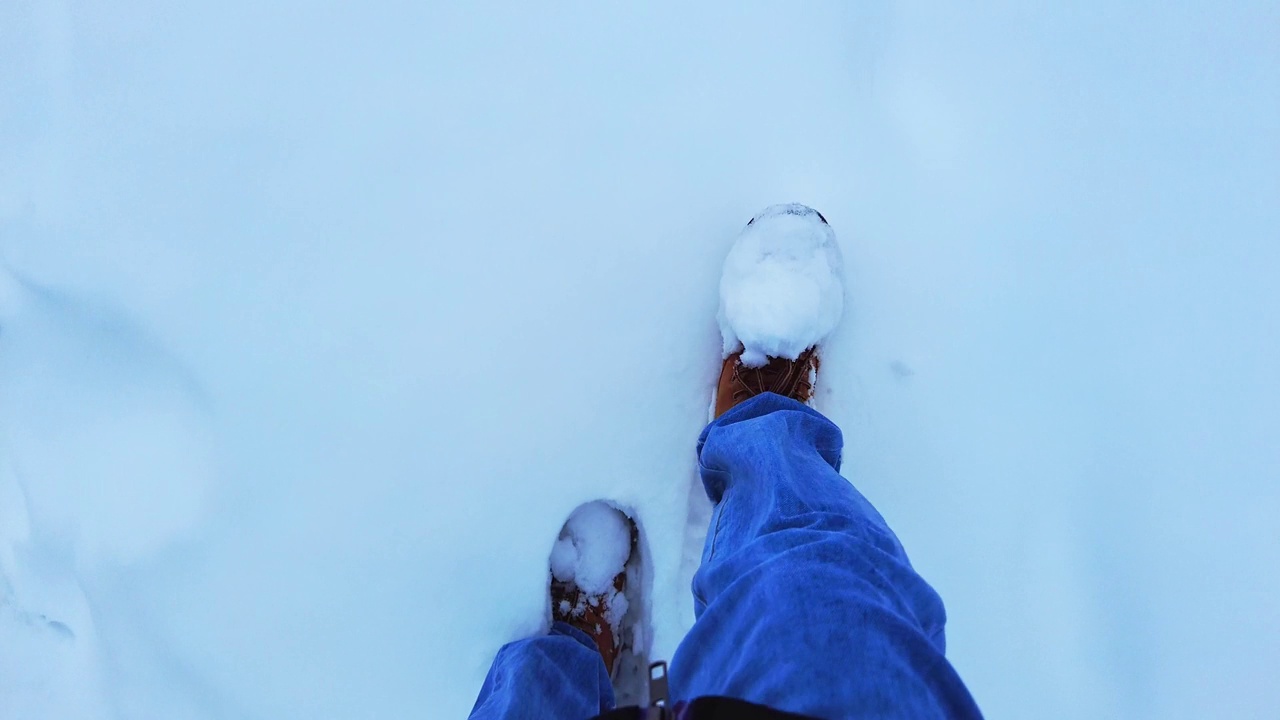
593, 548
316, 325
781, 291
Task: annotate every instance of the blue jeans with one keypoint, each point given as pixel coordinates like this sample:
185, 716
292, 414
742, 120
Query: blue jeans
805, 600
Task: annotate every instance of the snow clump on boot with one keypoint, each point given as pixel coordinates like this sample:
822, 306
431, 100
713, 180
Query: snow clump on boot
782, 290
593, 548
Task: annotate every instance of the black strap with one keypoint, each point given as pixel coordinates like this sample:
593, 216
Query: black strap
658, 685
705, 708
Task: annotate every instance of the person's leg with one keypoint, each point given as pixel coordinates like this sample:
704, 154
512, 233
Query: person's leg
805, 600
559, 676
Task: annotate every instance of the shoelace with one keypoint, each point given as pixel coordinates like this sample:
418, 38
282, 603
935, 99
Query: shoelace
780, 376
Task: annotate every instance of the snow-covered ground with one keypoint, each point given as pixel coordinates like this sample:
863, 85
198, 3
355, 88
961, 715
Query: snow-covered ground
318, 319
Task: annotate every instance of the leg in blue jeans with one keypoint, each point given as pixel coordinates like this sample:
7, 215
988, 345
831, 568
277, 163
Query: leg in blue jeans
560, 675
805, 600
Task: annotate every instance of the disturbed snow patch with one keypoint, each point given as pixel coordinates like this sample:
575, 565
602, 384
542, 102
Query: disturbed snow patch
781, 291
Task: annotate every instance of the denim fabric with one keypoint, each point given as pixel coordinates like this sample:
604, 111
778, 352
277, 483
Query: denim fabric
805, 600
558, 675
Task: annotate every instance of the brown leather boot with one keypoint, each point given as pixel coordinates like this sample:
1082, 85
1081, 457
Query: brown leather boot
592, 614
598, 615
790, 378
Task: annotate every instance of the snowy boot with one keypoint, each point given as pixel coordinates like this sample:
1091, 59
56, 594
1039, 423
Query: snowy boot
588, 575
781, 295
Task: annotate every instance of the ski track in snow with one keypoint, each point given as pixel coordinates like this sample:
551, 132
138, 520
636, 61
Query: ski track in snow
314, 328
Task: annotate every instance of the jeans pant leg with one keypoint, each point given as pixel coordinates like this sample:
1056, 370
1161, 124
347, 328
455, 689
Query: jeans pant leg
558, 676
805, 600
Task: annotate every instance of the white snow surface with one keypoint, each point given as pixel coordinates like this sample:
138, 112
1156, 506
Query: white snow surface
318, 320
592, 548
782, 288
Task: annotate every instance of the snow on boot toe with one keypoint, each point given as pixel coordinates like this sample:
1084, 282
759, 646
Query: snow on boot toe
782, 290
